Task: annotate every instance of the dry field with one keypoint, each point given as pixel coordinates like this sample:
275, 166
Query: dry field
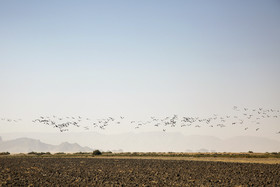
29, 171
213, 159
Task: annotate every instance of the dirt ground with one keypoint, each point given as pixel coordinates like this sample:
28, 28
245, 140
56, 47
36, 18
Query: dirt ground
214, 159
20, 171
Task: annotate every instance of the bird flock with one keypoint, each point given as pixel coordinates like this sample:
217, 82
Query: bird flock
241, 117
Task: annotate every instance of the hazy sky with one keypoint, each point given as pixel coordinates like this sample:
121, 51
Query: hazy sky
137, 58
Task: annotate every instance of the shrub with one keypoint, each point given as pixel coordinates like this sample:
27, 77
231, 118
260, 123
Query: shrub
81, 153
60, 153
96, 152
135, 154
250, 152
4, 153
32, 153
38, 153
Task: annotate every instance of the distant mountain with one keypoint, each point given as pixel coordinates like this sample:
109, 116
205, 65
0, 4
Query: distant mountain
152, 142
25, 145
68, 147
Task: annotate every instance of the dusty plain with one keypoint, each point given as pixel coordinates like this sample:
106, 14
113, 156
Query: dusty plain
137, 171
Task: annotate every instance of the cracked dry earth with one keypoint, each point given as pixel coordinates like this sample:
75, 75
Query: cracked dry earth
133, 172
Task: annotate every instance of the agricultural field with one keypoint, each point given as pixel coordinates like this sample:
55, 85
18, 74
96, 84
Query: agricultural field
108, 171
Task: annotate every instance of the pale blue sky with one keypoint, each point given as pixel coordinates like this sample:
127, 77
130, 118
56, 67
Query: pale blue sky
138, 58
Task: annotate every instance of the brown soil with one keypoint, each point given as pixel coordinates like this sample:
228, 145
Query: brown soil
215, 159
20, 171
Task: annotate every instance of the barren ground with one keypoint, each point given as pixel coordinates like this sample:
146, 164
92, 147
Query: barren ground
25, 171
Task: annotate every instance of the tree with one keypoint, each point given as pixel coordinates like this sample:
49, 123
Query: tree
96, 152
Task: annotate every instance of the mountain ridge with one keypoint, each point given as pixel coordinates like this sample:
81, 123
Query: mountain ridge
25, 145
157, 142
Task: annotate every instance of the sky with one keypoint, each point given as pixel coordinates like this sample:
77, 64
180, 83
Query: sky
138, 59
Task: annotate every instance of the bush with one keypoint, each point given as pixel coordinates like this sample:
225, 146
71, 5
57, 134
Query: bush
135, 154
60, 153
81, 153
32, 153
96, 152
39, 153
250, 152
4, 153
